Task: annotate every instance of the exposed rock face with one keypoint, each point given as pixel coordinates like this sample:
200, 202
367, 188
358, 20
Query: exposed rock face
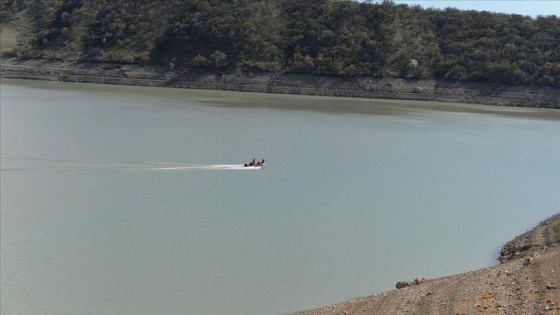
284, 83
404, 284
544, 236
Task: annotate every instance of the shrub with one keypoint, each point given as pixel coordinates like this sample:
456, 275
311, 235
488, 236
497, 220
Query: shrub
9, 52
200, 61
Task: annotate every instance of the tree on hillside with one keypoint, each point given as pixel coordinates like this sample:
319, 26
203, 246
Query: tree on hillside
371, 38
241, 32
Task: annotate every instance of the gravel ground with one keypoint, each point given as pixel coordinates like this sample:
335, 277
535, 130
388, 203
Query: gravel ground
527, 281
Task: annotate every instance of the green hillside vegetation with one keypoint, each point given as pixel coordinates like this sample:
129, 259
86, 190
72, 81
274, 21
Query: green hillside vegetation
321, 37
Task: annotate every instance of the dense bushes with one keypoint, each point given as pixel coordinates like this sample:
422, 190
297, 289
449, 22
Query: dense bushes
321, 36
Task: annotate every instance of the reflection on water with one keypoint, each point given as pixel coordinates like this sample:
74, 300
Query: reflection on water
342, 105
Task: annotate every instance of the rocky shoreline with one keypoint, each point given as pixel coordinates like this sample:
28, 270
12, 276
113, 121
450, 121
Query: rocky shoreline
527, 281
282, 83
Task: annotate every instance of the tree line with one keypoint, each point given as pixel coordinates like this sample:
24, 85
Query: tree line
336, 37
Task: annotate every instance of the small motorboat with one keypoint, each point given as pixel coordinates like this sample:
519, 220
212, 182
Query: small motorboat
255, 164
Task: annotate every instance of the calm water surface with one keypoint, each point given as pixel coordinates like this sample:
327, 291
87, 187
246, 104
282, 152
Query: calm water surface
123, 200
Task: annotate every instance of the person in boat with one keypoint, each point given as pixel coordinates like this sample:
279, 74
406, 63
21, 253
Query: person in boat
254, 163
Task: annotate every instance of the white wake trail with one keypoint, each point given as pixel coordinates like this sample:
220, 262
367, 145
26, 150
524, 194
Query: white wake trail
22, 164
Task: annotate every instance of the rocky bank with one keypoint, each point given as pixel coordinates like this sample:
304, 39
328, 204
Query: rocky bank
236, 79
527, 281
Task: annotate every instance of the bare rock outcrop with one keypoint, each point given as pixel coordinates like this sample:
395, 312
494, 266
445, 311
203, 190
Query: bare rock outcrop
543, 236
247, 80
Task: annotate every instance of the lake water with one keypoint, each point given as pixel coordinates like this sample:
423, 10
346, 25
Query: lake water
126, 200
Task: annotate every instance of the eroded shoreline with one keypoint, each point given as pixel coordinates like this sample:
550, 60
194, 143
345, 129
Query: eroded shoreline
282, 83
527, 281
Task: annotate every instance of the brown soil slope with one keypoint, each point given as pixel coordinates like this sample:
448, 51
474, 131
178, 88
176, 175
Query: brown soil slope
526, 282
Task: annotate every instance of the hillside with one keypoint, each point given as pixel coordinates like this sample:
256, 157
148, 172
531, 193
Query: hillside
326, 37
